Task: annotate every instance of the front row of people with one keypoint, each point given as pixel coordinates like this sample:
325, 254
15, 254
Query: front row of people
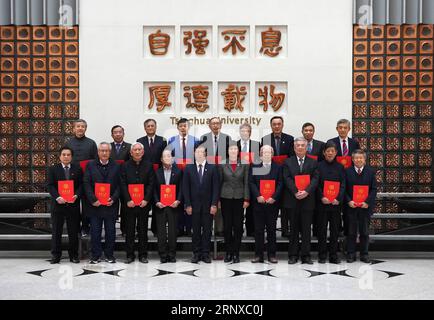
297, 187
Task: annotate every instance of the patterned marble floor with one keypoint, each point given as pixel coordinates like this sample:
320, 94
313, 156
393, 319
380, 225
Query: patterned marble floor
389, 276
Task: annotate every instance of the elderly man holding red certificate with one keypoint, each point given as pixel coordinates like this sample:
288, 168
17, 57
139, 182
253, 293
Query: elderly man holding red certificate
65, 188
101, 185
331, 192
300, 178
265, 183
137, 186
361, 190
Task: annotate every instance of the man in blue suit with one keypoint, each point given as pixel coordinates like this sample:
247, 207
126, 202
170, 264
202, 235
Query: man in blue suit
359, 214
182, 147
200, 187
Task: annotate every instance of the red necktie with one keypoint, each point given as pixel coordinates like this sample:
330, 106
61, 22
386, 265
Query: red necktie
344, 148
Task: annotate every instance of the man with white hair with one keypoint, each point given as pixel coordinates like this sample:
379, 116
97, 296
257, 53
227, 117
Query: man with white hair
137, 186
101, 184
300, 177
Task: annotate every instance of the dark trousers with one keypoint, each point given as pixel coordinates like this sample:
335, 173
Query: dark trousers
358, 220
96, 223
265, 218
153, 219
250, 221
85, 220
232, 211
185, 221
137, 218
328, 215
166, 236
300, 223
284, 221
122, 217
58, 217
202, 225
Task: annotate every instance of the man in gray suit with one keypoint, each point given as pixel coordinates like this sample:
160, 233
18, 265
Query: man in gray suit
216, 144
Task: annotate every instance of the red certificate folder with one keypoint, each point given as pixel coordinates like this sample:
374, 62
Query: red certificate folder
181, 163
167, 194
247, 157
66, 189
83, 165
360, 194
214, 159
302, 181
345, 161
331, 189
102, 192
155, 166
267, 188
279, 159
312, 156
137, 193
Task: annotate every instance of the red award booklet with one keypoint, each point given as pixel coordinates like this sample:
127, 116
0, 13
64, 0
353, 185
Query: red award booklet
267, 188
345, 161
102, 192
155, 166
167, 194
279, 159
137, 193
66, 189
360, 194
331, 189
247, 157
302, 181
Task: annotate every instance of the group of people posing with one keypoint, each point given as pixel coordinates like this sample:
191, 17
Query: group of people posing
189, 183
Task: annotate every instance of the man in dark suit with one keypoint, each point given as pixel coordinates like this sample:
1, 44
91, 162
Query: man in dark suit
168, 174
154, 146
102, 170
346, 146
245, 144
359, 214
283, 145
216, 144
137, 170
120, 151
315, 150
120, 148
265, 210
84, 149
200, 186
153, 143
299, 201
65, 209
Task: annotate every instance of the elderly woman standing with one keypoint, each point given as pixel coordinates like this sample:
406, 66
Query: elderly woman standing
234, 198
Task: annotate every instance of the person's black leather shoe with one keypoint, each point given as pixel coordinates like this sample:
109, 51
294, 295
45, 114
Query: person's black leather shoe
129, 260
236, 259
195, 259
258, 260
306, 260
74, 259
335, 260
206, 259
292, 260
54, 260
163, 259
143, 260
351, 258
321, 260
171, 259
228, 257
365, 259
272, 259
